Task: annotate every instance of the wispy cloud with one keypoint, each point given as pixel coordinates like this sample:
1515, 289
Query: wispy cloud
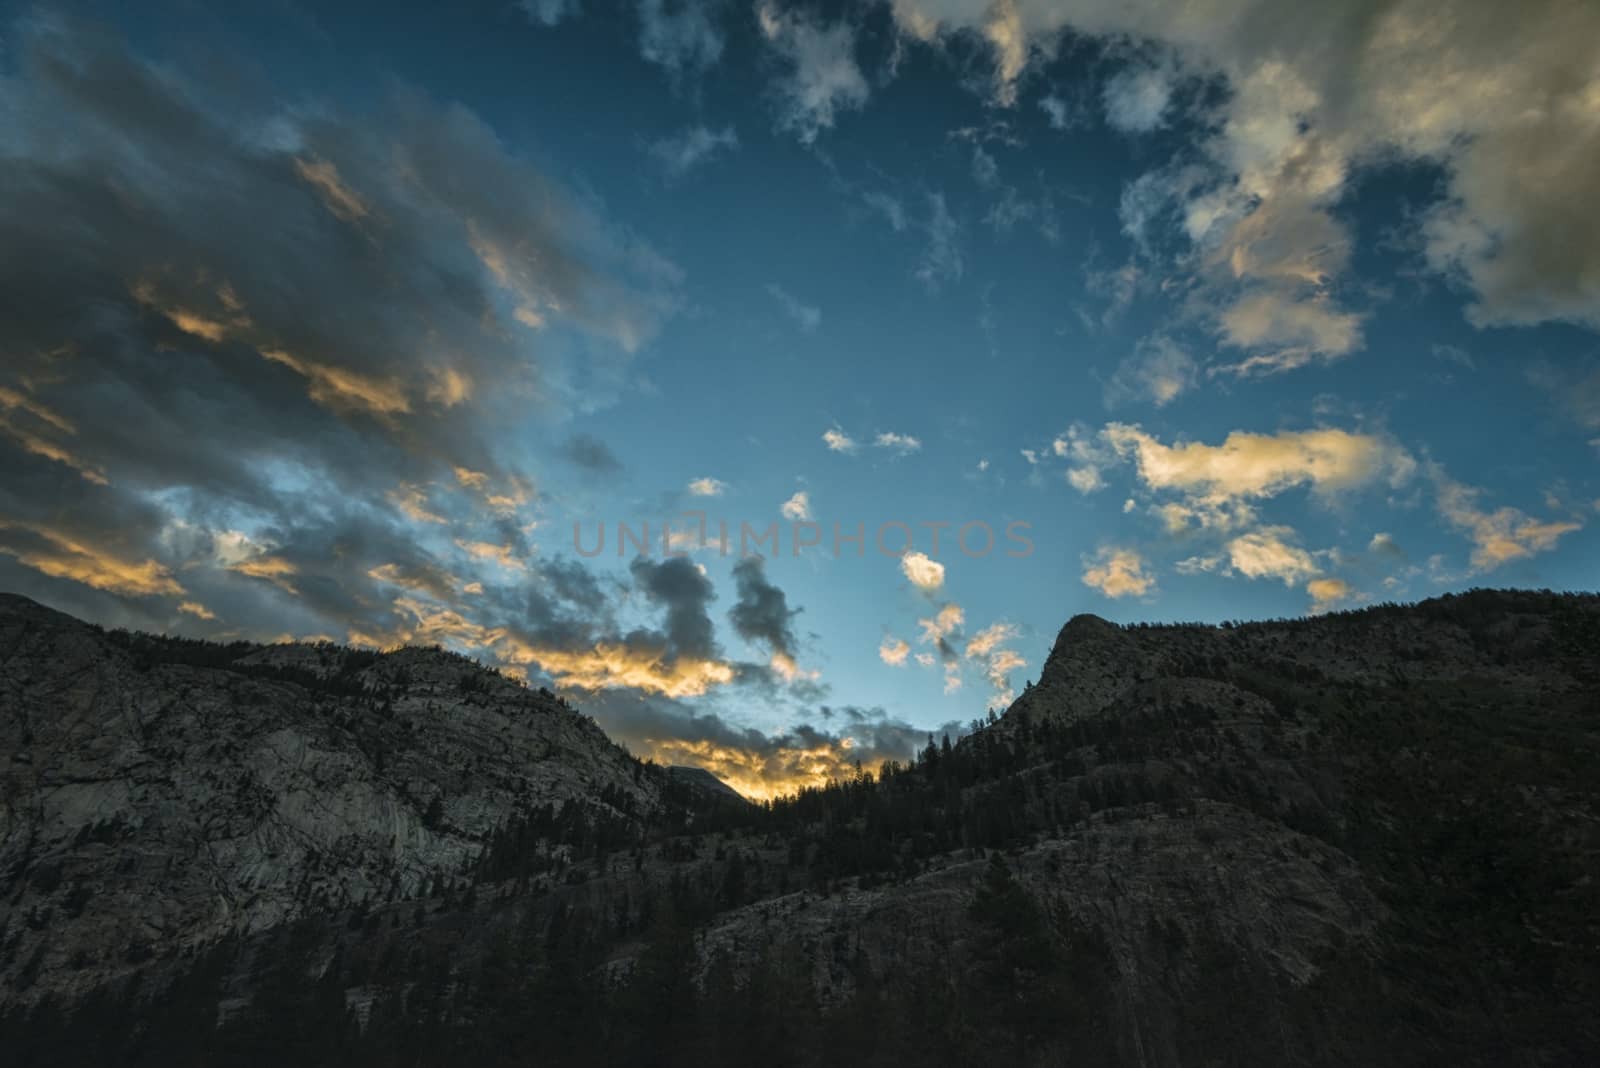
822, 78
691, 147
808, 316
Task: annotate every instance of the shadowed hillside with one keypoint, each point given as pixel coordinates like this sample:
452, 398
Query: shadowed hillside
1368, 837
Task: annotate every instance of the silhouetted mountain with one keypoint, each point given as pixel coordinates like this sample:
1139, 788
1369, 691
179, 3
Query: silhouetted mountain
1369, 837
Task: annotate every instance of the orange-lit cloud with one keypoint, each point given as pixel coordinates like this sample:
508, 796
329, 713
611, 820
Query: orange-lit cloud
339, 198
1118, 572
923, 572
798, 507
1499, 536
1262, 465
413, 501
273, 569
1268, 553
789, 670
1326, 593
450, 387
504, 555
64, 556
40, 446
943, 624
616, 665
758, 774
338, 387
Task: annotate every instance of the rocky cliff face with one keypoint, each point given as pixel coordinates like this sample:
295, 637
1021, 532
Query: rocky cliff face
1364, 838
151, 805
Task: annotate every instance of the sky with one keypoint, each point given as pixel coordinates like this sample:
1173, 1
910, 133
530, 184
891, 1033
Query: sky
478, 324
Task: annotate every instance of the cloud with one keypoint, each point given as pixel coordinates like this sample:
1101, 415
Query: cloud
941, 261
274, 569
507, 556
683, 589
419, 577
807, 316
588, 453
891, 208
1158, 371
1499, 99
1088, 454
942, 630
612, 666
924, 573
549, 12
893, 651
279, 326
988, 647
762, 612
1287, 331
1268, 553
904, 444
1247, 465
1326, 593
822, 77
838, 441
708, 487
1117, 572
681, 36
1085, 479
1500, 536
828, 744
682, 152
798, 507
1575, 389
196, 609
45, 436
985, 171
1063, 114
941, 627
988, 640
1136, 99
60, 554
1383, 544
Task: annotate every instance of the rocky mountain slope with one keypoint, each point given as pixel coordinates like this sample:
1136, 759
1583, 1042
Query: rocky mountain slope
1371, 837
158, 794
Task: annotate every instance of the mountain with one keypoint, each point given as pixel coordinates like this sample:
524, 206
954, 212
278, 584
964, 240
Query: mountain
160, 794
1368, 837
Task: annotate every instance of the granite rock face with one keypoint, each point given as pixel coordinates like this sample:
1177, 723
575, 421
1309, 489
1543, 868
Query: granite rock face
149, 808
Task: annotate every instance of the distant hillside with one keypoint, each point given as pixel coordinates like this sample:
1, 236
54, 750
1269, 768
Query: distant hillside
1365, 838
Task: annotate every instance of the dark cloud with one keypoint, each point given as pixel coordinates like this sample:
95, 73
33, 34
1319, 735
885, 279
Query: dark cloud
249, 347
684, 591
588, 453
762, 613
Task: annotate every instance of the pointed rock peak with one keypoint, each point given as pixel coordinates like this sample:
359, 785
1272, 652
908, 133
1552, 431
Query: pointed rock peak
1084, 630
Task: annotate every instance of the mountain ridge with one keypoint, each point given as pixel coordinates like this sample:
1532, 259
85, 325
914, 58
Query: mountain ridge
1376, 827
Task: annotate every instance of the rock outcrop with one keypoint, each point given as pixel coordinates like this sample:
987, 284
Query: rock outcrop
149, 806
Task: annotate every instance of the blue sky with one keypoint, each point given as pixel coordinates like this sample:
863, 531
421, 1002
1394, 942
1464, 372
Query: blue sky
334, 321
